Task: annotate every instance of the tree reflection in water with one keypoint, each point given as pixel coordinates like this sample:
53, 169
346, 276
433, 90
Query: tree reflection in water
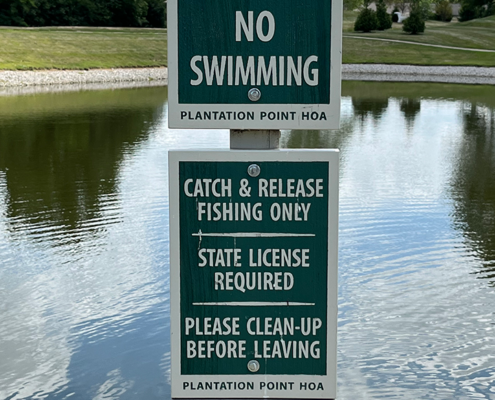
410, 107
373, 108
409, 315
473, 178
473, 185
60, 161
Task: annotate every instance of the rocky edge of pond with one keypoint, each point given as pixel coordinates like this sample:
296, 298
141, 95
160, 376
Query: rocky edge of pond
159, 76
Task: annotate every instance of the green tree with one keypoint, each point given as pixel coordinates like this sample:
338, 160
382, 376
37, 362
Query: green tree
157, 13
352, 4
383, 17
443, 11
402, 5
128, 12
12, 12
414, 24
471, 9
366, 21
423, 7
83, 12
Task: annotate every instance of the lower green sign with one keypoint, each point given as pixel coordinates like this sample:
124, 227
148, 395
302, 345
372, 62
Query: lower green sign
254, 273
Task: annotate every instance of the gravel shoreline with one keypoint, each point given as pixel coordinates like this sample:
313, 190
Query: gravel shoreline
417, 73
159, 76
61, 77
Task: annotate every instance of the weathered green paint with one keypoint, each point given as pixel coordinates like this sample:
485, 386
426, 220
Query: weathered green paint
310, 283
207, 28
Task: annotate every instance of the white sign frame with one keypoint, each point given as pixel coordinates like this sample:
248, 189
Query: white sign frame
332, 110
329, 381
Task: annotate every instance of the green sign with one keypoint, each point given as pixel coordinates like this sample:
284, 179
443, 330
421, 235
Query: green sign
254, 63
255, 263
227, 47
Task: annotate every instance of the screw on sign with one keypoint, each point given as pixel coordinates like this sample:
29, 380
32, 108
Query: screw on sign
254, 170
253, 366
254, 94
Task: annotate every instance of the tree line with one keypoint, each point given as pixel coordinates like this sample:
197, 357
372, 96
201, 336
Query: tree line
369, 20
124, 13
470, 9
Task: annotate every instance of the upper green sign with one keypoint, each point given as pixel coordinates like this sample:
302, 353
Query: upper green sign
228, 47
259, 64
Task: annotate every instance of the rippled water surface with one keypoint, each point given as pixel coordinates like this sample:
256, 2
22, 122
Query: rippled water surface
84, 282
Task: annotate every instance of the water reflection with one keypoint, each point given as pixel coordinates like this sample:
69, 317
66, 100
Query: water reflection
412, 324
61, 161
410, 108
84, 298
83, 288
473, 185
370, 107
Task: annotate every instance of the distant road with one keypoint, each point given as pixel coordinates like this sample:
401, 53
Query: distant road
419, 44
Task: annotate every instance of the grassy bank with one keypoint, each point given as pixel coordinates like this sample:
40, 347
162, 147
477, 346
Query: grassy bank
375, 52
476, 34
82, 48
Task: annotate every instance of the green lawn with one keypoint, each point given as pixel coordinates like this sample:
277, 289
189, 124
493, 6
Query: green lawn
476, 34
357, 51
81, 48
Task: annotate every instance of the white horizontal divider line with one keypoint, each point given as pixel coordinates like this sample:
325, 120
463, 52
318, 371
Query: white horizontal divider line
254, 234
254, 303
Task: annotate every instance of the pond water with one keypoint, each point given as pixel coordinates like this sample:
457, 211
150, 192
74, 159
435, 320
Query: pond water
84, 282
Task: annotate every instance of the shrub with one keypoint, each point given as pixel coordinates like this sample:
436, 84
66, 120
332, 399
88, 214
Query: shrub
384, 19
157, 14
366, 21
352, 4
414, 24
468, 12
490, 10
472, 9
443, 11
423, 7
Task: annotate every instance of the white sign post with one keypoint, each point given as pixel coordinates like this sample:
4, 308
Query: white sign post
253, 234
